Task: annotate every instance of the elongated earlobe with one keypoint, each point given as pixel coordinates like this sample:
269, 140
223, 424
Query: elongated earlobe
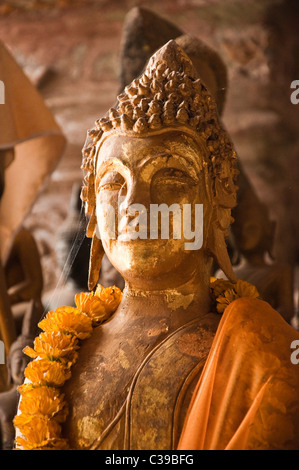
95, 261
217, 247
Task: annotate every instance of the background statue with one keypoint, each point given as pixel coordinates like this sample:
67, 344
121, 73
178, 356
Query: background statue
144, 32
31, 144
24, 277
30, 131
254, 237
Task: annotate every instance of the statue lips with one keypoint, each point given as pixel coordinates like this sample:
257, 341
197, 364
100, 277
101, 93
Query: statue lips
133, 228
129, 233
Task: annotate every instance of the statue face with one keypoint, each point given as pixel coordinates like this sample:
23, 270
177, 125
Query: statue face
135, 176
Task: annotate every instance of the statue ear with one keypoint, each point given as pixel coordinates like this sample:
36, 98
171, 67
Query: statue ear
96, 251
95, 261
217, 247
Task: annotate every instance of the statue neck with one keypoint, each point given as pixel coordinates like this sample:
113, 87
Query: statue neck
177, 305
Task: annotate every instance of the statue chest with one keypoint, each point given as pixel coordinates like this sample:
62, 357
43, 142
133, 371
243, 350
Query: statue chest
134, 394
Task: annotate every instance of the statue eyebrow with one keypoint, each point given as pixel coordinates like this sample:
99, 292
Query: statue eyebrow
148, 157
110, 164
118, 161
180, 158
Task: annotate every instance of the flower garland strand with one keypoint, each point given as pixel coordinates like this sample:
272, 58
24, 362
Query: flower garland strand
224, 292
42, 408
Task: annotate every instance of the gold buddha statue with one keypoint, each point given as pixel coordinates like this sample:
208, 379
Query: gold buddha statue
137, 381
153, 149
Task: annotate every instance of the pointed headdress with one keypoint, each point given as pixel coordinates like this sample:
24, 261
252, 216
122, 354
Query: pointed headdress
167, 96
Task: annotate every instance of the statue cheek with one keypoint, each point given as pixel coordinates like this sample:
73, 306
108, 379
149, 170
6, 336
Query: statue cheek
107, 212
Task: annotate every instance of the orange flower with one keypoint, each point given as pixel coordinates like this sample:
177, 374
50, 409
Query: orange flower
37, 429
111, 296
43, 401
92, 305
219, 286
224, 300
42, 406
54, 345
24, 388
245, 289
238, 290
67, 320
44, 372
39, 433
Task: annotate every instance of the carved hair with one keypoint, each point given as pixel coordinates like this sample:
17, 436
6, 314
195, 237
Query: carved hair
168, 95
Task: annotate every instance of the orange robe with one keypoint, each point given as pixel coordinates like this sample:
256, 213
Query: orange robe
247, 397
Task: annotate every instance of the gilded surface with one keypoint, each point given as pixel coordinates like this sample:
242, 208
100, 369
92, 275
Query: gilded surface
162, 144
131, 405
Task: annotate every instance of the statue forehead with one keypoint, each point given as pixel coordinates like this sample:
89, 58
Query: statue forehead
134, 148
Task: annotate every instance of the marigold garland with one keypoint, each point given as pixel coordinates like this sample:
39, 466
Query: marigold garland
42, 407
224, 292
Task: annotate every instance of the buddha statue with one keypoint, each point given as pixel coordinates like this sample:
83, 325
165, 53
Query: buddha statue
144, 31
147, 376
153, 149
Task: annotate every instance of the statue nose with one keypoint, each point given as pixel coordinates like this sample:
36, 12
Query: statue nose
138, 194
133, 209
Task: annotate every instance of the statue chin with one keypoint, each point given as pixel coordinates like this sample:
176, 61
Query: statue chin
152, 261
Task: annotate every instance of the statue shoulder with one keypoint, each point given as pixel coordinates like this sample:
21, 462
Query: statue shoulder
253, 323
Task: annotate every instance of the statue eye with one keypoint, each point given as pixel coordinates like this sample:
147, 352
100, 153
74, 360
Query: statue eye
110, 187
173, 173
112, 181
171, 185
